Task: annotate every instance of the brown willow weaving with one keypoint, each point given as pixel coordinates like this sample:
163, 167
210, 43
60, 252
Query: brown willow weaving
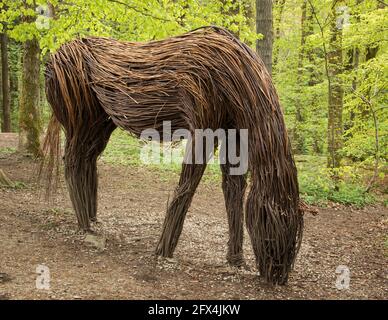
203, 79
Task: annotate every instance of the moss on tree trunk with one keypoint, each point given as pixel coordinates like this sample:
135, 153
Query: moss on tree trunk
264, 26
6, 121
336, 93
29, 117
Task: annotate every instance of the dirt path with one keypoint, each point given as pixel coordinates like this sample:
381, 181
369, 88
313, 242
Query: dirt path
132, 204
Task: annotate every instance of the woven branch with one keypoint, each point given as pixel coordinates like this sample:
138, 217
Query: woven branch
203, 79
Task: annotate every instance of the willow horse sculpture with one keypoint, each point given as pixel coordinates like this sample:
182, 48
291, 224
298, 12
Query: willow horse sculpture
203, 79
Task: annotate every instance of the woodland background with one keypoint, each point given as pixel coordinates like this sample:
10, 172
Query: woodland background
328, 59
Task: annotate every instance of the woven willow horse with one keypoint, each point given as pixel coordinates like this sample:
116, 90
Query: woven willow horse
203, 79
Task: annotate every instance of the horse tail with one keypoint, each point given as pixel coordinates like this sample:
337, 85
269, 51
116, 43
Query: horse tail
49, 169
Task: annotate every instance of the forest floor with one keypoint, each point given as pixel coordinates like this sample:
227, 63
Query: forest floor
132, 202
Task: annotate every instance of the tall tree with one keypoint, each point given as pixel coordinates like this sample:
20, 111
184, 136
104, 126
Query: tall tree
29, 116
6, 121
299, 117
336, 92
279, 7
264, 26
14, 49
352, 63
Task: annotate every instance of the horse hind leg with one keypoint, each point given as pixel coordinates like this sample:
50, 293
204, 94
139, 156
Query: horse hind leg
81, 153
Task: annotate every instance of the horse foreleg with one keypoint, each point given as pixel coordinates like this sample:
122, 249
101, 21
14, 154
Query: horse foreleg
173, 224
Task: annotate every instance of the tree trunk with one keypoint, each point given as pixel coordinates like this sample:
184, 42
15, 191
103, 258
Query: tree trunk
314, 75
280, 7
14, 81
352, 62
264, 26
299, 138
29, 118
336, 93
6, 121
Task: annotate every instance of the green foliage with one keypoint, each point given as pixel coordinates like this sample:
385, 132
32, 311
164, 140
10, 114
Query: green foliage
7, 150
299, 73
366, 100
317, 187
364, 80
310, 92
123, 149
123, 19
